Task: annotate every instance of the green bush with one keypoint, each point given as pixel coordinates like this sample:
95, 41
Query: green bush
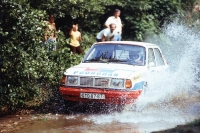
27, 64
31, 72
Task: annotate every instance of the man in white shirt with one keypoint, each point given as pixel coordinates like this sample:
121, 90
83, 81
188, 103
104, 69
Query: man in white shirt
116, 20
107, 34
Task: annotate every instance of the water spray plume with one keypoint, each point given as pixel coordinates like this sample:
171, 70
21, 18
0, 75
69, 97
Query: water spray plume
169, 96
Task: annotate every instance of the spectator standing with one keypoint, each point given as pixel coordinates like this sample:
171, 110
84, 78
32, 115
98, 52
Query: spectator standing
116, 20
194, 19
107, 34
75, 39
50, 35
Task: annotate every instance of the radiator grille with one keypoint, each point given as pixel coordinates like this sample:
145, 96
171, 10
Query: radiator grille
86, 81
94, 82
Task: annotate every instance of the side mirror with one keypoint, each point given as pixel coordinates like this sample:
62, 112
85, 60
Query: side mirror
151, 64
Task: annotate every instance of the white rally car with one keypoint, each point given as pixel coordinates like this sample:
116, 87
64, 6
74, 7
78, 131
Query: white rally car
112, 72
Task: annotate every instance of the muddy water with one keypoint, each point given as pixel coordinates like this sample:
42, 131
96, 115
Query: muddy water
152, 117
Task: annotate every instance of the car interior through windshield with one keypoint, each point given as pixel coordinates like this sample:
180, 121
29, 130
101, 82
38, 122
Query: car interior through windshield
116, 53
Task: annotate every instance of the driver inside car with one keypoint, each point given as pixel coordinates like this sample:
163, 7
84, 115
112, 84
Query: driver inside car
135, 57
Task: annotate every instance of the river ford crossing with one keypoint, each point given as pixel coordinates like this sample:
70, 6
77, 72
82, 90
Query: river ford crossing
169, 100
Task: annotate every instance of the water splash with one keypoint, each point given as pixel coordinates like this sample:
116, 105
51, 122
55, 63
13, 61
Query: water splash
169, 97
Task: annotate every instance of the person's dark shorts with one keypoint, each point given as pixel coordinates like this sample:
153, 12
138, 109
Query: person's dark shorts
98, 40
76, 50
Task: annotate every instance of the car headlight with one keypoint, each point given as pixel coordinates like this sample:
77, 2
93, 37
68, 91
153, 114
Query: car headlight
72, 80
128, 84
119, 83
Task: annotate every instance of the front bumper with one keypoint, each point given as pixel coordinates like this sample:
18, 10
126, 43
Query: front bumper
111, 96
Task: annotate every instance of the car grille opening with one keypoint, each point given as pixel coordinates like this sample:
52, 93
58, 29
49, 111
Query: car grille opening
94, 82
86, 81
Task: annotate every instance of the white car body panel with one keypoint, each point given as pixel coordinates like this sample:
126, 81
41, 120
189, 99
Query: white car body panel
116, 70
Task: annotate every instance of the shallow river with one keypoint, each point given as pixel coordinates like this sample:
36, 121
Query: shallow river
144, 117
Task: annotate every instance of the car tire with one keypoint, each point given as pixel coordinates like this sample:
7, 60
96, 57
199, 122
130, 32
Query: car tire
69, 105
120, 108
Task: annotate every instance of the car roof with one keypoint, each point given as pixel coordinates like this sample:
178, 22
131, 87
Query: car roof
145, 44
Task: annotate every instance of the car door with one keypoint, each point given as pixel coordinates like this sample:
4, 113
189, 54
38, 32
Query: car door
156, 61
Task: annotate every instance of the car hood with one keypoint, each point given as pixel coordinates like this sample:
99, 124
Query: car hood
105, 70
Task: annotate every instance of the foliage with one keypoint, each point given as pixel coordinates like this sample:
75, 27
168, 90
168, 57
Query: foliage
147, 16
138, 16
27, 62
86, 12
29, 69
188, 5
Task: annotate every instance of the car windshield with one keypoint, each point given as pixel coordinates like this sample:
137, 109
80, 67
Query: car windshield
116, 53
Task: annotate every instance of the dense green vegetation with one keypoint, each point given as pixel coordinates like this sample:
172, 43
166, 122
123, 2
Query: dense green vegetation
30, 72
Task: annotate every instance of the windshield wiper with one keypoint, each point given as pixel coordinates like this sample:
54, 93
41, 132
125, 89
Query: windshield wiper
116, 60
91, 60
104, 60
96, 60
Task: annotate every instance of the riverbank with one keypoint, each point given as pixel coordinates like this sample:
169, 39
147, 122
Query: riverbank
192, 127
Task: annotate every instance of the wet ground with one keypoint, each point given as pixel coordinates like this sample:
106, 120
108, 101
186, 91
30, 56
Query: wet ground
140, 118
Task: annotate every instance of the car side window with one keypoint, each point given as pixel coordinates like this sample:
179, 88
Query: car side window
159, 58
151, 56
